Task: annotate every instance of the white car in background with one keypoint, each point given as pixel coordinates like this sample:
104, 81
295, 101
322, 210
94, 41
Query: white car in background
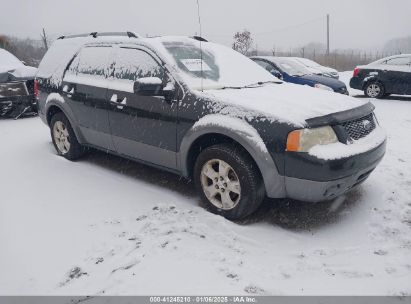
317, 68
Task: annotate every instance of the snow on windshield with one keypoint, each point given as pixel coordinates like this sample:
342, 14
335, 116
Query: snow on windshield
8, 61
291, 67
213, 67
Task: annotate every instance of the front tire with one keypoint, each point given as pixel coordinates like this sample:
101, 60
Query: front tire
64, 138
374, 90
228, 181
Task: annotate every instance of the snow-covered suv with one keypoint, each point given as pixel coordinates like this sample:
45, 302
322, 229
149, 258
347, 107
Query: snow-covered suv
206, 112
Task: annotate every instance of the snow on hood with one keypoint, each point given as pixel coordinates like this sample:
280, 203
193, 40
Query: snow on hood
8, 61
286, 102
12, 68
24, 72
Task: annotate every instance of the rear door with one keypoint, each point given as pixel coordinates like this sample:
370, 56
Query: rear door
142, 127
397, 74
85, 86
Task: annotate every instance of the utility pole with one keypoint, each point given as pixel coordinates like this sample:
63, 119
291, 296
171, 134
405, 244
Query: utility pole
44, 38
328, 34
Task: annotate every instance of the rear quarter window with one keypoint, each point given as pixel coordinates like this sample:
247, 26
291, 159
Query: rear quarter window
92, 61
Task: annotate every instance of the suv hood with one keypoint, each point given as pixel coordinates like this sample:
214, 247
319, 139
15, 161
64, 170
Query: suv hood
286, 102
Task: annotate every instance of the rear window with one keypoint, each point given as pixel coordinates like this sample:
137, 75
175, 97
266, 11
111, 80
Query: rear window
54, 63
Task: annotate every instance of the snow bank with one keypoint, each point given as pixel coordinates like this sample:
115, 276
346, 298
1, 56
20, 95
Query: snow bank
340, 150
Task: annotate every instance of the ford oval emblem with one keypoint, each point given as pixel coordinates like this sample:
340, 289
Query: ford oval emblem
366, 124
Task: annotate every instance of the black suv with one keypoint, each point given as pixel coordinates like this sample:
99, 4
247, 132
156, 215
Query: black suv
206, 112
391, 75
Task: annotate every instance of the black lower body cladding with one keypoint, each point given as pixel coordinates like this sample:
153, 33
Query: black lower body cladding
311, 179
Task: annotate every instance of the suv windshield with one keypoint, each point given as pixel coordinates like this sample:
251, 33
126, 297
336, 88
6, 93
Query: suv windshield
215, 66
291, 67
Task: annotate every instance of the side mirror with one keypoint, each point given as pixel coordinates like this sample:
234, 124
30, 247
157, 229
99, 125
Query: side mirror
148, 86
277, 74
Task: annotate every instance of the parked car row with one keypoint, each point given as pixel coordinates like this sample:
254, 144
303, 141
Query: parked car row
17, 91
291, 70
208, 113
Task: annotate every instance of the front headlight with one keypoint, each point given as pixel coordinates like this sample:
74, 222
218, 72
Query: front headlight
323, 87
304, 139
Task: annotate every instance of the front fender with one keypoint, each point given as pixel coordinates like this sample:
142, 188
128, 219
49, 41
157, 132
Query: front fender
245, 135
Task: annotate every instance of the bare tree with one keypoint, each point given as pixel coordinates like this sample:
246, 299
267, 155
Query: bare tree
45, 39
243, 42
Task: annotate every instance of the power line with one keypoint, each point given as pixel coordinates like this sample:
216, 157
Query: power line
276, 30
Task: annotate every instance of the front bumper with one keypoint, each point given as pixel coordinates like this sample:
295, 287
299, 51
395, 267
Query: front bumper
342, 90
311, 179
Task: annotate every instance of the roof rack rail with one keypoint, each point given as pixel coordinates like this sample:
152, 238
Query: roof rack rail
100, 34
199, 38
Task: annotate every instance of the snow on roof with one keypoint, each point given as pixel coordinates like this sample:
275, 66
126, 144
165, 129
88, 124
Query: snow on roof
62, 51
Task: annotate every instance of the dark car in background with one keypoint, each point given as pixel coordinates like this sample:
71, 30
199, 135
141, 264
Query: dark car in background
289, 70
390, 75
17, 87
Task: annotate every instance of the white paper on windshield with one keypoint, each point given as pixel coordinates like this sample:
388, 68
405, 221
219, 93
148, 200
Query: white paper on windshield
195, 65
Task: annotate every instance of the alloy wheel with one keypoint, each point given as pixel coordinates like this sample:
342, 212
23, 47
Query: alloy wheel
220, 184
373, 90
61, 137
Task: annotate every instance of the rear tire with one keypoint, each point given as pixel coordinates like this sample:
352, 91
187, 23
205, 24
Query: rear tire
228, 181
64, 138
374, 90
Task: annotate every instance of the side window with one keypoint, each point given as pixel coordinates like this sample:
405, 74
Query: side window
265, 65
398, 61
93, 61
132, 64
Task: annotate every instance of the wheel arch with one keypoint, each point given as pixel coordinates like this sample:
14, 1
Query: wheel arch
201, 137
54, 106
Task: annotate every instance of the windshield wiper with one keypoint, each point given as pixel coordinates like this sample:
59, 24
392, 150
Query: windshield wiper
253, 85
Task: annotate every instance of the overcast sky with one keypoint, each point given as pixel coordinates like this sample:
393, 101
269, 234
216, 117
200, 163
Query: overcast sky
286, 23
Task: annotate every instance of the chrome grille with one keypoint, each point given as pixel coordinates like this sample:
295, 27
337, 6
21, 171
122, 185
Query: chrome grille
361, 127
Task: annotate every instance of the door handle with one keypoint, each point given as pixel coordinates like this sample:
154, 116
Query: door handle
119, 102
68, 89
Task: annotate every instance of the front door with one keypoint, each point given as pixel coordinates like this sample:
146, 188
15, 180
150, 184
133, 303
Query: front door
142, 127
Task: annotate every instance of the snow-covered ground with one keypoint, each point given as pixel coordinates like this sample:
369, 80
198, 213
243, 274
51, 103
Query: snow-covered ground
104, 225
